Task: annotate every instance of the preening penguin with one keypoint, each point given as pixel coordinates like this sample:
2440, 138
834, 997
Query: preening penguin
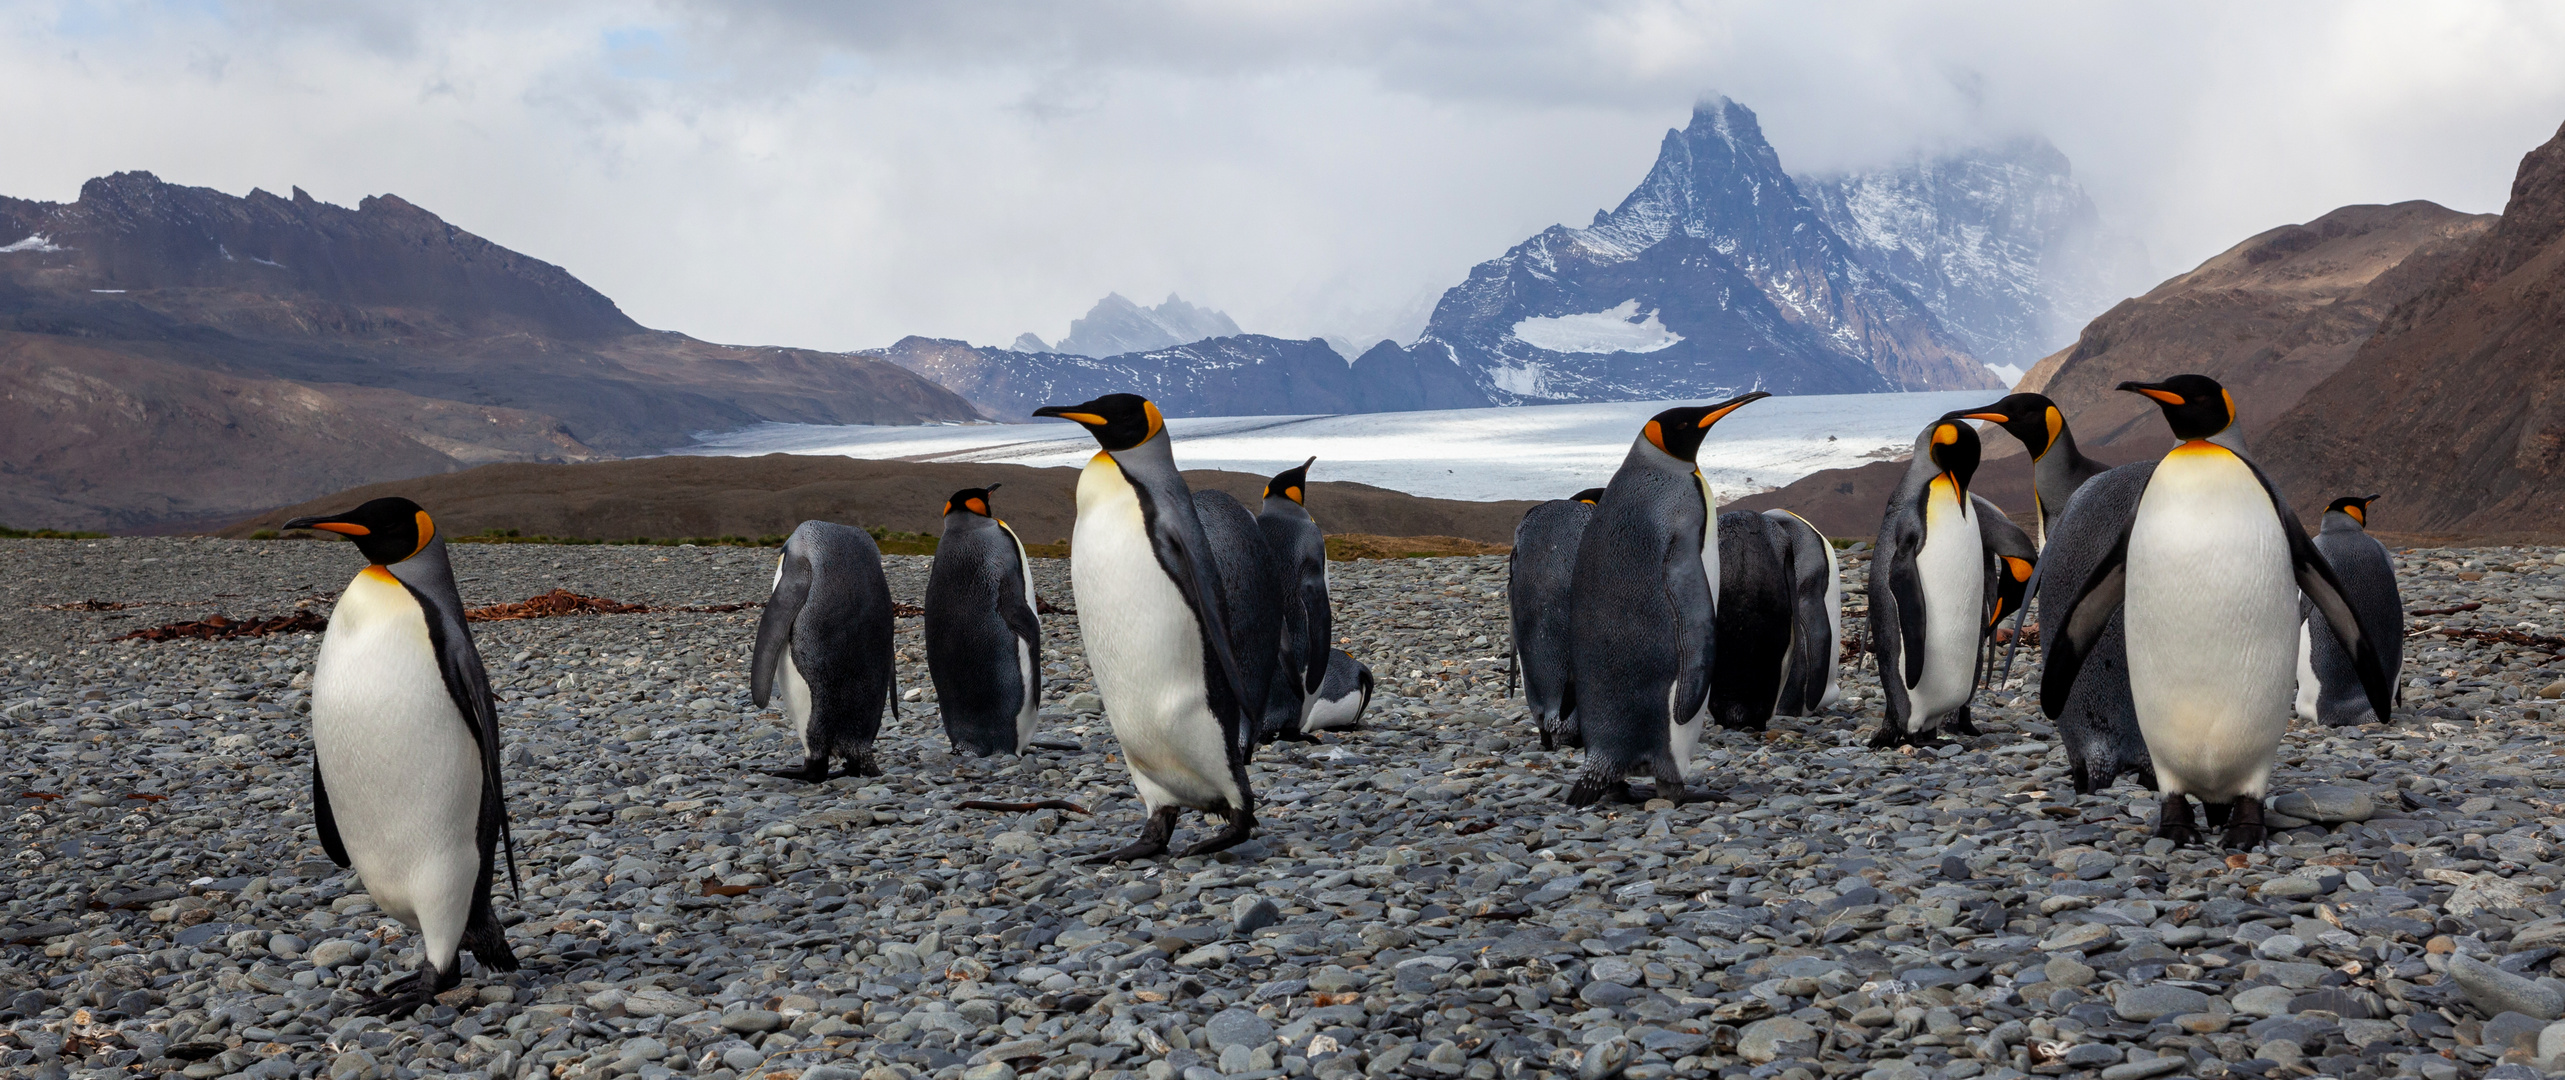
2010, 559
2209, 571
2329, 688
1817, 627
1300, 558
1928, 589
1341, 699
1643, 612
405, 748
1756, 615
825, 643
1536, 593
983, 637
2057, 468
1157, 629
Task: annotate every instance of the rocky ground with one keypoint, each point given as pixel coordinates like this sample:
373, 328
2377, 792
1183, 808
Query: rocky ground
1418, 901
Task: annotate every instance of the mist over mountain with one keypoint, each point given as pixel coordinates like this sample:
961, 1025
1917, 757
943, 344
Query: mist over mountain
1115, 325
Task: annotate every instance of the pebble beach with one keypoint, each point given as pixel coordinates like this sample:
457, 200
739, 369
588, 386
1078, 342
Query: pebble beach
1417, 902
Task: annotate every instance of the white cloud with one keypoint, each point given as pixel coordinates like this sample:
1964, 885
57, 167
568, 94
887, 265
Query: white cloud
841, 174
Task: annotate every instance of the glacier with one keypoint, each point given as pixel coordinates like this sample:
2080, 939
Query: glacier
1614, 329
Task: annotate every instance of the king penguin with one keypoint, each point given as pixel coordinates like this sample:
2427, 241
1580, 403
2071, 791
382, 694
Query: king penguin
1757, 613
1157, 629
1643, 611
405, 749
1817, 628
2209, 570
1261, 607
2057, 467
1341, 699
1928, 590
2010, 560
1300, 557
825, 643
983, 637
2329, 690
1536, 593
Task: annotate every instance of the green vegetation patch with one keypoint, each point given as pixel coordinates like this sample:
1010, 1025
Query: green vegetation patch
7, 533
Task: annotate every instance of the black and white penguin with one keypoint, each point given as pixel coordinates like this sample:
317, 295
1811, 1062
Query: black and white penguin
1817, 628
1300, 558
2097, 725
2010, 560
1536, 593
1261, 607
2057, 467
2208, 571
1928, 590
1342, 697
1157, 629
2329, 690
824, 645
1757, 616
983, 637
1643, 611
405, 748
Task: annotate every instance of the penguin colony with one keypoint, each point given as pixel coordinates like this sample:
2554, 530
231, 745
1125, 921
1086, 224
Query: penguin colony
2183, 615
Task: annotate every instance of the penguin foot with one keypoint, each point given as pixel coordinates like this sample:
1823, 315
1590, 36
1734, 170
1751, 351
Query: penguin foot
1153, 839
1588, 791
860, 763
2244, 825
812, 770
407, 993
2217, 814
1959, 724
1242, 824
1887, 737
2173, 821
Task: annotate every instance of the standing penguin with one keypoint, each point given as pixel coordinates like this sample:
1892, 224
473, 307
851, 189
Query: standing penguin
2329, 689
1928, 590
1157, 629
1341, 699
405, 749
983, 638
2057, 467
2209, 570
1261, 605
1817, 628
2010, 559
1300, 558
1757, 612
1536, 593
825, 642
1643, 611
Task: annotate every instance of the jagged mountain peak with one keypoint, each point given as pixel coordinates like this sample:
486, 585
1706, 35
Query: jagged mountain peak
1116, 325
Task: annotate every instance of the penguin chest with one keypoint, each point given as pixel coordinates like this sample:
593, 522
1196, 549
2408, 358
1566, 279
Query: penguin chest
2211, 614
401, 768
1145, 647
1952, 569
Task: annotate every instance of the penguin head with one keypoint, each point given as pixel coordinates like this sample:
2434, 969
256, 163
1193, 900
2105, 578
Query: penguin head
971, 501
2355, 507
1291, 483
386, 531
1953, 448
1589, 496
1679, 432
2195, 405
1118, 421
2032, 418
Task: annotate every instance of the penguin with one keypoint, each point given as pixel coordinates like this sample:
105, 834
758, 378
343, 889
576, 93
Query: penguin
2010, 559
1300, 558
2057, 467
2328, 684
1536, 593
824, 642
1643, 611
1816, 627
1928, 590
2208, 572
1261, 604
1157, 629
405, 749
1340, 700
2097, 725
983, 637
1757, 611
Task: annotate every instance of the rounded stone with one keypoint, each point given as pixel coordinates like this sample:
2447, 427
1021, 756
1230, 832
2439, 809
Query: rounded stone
2264, 1001
747, 1021
1238, 1027
1774, 1037
2156, 1000
333, 953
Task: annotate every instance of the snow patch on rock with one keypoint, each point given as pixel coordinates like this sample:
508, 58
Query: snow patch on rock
1619, 328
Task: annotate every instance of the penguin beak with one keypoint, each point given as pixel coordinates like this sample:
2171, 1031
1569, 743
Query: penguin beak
1069, 412
1989, 416
2154, 391
344, 528
1723, 409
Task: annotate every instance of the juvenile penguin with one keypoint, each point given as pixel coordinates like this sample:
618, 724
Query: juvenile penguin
1157, 629
2209, 571
1536, 593
1643, 611
2329, 689
1261, 607
983, 637
2057, 467
1341, 699
1756, 616
824, 643
1928, 590
405, 749
1300, 557
1816, 627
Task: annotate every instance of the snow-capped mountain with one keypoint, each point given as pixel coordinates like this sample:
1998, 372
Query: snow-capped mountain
1715, 274
1115, 326
1998, 241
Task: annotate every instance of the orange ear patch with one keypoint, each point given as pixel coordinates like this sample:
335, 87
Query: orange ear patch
1655, 434
1292, 493
2358, 513
1945, 434
427, 532
977, 506
2021, 568
1157, 422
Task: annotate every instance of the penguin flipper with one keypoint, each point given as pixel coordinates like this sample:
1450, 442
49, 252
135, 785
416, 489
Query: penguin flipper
430, 579
2081, 624
775, 626
325, 822
2316, 579
1192, 568
1696, 627
1907, 585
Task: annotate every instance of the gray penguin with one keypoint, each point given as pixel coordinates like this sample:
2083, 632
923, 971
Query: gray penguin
1260, 604
1643, 611
1300, 556
1757, 614
1928, 590
2329, 689
983, 636
1536, 593
824, 646
1817, 628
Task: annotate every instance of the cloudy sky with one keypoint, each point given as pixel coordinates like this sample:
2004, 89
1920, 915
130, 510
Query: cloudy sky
837, 175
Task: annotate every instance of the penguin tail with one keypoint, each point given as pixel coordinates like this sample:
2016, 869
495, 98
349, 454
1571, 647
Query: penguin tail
486, 940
